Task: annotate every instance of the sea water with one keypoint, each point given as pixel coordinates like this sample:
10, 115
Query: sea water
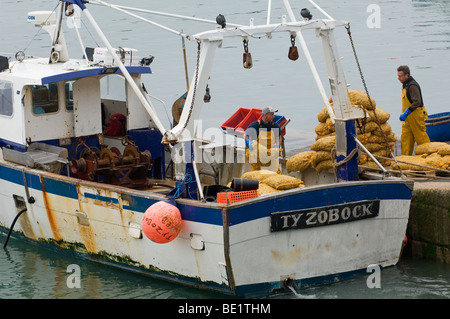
386, 34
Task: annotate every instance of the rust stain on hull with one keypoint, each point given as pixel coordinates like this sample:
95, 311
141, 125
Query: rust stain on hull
86, 232
88, 237
288, 257
48, 208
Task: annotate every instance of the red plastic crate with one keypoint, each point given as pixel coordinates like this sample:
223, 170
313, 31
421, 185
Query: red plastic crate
232, 197
252, 116
235, 119
243, 117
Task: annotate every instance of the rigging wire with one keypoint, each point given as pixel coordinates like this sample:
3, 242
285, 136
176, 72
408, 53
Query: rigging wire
120, 8
99, 2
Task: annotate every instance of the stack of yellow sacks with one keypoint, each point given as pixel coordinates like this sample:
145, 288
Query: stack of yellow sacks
428, 155
368, 132
270, 182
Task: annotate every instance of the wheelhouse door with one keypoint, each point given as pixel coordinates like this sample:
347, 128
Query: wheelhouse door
87, 107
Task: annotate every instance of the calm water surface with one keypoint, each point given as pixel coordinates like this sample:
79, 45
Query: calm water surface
31, 271
416, 33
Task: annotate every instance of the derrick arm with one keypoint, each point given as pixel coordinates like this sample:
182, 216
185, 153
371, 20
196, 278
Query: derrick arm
186, 128
345, 112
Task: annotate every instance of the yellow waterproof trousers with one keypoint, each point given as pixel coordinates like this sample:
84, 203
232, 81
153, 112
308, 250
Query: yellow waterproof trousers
413, 128
263, 156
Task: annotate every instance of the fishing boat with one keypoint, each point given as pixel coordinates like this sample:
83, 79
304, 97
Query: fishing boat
438, 127
84, 172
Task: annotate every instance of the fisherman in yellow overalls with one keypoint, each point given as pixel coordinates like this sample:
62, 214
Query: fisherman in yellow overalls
414, 112
263, 140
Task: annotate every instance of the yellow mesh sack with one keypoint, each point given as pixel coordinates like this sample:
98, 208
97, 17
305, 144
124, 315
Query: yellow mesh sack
283, 182
444, 150
382, 116
411, 161
364, 138
260, 175
428, 148
385, 127
322, 129
323, 115
318, 137
363, 159
300, 161
265, 189
439, 161
368, 127
324, 144
375, 139
382, 152
324, 165
446, 161
330, 125
319, 157
358, 97
373, 147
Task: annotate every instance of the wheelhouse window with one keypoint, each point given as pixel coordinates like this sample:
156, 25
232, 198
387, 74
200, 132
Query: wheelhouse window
68, 89
45, 98
6, 98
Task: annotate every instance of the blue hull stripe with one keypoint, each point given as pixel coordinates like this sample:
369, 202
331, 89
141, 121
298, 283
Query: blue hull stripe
320, 198
260, 209
102, 198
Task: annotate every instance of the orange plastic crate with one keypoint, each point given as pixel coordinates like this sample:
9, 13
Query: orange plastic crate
232, 197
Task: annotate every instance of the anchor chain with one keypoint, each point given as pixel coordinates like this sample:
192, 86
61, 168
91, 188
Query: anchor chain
347, 27
195, 84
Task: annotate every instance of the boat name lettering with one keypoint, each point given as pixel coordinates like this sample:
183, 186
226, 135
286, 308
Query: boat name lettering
322, 216
158, 229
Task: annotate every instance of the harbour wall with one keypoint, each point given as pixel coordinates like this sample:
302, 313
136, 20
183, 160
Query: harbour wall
428, 230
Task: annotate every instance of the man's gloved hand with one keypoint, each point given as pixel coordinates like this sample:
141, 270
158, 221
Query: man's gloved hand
279, 148
405, 114
249, 144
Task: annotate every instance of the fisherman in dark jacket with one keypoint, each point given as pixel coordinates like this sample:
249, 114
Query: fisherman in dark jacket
414, 112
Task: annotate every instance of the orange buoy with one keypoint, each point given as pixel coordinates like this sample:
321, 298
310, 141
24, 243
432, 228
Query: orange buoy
161, 222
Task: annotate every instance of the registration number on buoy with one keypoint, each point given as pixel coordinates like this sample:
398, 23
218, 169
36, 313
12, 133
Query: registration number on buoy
323, 216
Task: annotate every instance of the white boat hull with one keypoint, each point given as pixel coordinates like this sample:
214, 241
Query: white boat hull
229, 248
